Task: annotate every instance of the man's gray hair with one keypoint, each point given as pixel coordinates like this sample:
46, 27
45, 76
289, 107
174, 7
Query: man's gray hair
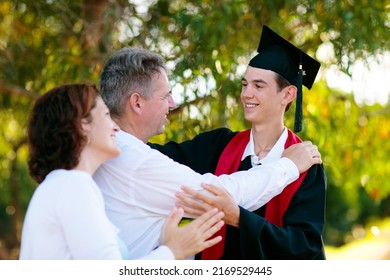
127, 71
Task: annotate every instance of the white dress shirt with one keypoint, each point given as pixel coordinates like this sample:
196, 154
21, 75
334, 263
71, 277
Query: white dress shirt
139, 189
274, 154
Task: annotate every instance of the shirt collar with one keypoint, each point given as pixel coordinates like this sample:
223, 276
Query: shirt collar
125, 137
275, 153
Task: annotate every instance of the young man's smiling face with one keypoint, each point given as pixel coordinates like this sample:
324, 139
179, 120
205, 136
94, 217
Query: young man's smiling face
260, 96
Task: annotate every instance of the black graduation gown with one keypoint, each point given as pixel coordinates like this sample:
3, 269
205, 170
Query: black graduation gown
301, 235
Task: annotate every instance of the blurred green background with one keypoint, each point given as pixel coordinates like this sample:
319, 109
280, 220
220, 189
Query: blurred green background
207, 44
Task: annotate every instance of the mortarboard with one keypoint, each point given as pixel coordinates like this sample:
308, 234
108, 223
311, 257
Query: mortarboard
277, 54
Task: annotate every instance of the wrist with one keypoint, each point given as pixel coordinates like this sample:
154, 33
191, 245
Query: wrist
233, 219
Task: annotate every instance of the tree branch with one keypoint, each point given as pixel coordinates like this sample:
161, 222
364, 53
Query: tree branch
6, 88
179, 109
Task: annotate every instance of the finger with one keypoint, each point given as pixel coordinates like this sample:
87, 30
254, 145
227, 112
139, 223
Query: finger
189, 201
317, 154
307, 143
204, 217
211, 242
191, 212
197, 195
212, 230
317, 160
193, 193
208, 223
315, 150
201, 220
174, 217
213, 189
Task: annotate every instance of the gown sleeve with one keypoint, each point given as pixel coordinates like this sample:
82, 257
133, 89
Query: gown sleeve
301, 235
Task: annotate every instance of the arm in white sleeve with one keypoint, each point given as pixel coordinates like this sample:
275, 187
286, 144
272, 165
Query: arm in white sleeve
158, 178
254, 188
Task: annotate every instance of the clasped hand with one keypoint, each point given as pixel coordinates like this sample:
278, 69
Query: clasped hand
196, 203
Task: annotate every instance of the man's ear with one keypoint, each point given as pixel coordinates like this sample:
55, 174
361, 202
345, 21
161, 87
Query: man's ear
290, 93
135, 102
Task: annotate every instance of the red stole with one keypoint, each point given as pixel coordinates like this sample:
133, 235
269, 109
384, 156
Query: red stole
228, 163
278, 205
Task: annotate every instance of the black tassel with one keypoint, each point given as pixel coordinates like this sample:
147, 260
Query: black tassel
298, 109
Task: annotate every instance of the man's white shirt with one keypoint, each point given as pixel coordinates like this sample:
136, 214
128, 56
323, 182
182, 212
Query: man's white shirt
139, 189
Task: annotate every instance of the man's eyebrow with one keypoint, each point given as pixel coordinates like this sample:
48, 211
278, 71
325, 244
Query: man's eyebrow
255, 81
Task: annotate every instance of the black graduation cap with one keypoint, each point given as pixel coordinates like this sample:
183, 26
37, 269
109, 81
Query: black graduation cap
278, 55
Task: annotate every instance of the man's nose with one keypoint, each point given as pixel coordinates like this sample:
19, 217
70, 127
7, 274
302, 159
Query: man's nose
171, 102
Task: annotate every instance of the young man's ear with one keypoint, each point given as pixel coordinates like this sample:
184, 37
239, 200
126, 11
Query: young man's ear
290, 93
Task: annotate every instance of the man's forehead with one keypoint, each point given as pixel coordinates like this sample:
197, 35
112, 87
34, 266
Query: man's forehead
257, 74
161, 83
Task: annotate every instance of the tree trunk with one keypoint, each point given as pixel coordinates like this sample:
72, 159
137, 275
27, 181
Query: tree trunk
92, 12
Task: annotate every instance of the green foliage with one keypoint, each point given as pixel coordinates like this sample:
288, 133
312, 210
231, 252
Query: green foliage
371, 243
206, 45
354, 144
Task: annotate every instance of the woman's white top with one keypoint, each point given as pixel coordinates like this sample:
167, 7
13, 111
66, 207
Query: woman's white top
66, 220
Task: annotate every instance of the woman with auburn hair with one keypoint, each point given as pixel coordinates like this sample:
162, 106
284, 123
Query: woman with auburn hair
70, 135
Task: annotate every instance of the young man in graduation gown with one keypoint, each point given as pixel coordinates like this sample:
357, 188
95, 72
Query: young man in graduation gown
289, 226
139, 185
